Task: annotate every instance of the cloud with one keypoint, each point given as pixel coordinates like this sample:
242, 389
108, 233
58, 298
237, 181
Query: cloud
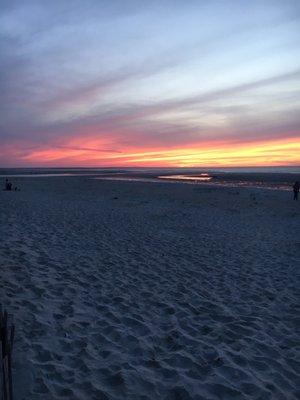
113, 78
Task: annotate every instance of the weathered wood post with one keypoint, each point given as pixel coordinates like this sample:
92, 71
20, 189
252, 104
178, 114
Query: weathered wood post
6, 339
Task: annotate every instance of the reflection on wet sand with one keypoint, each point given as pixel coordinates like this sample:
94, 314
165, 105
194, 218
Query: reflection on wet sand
202, 177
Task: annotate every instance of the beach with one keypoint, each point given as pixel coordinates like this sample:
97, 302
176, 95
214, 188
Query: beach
151, 290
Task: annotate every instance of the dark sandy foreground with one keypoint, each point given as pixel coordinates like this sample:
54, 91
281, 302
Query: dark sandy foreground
130, 290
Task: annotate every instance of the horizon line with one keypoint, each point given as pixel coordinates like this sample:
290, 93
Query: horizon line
150, 167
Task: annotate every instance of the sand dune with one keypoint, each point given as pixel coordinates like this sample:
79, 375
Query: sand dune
130, 290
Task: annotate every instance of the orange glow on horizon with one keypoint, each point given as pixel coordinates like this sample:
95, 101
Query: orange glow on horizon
89, 153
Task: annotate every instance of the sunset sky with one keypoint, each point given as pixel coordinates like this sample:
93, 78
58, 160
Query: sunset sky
149, 83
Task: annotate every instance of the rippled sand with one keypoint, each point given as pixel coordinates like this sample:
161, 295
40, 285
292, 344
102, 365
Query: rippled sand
130, 290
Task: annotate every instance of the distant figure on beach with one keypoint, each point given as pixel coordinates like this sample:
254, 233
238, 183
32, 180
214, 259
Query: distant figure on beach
8, 185
296, 188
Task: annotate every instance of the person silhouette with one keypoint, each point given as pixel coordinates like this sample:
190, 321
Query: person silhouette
8, 185
296, 188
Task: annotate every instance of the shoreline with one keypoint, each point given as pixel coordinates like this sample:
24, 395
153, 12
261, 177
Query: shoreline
269, 181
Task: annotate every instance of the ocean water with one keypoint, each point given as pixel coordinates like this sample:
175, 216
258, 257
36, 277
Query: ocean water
279, 178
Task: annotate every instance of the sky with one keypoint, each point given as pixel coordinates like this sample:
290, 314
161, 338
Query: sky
183, 83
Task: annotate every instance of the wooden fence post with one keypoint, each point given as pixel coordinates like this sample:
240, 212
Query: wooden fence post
6, 339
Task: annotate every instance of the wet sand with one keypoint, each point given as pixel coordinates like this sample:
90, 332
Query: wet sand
132, 290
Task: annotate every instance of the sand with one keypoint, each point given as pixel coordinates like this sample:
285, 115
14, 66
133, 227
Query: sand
133, 290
